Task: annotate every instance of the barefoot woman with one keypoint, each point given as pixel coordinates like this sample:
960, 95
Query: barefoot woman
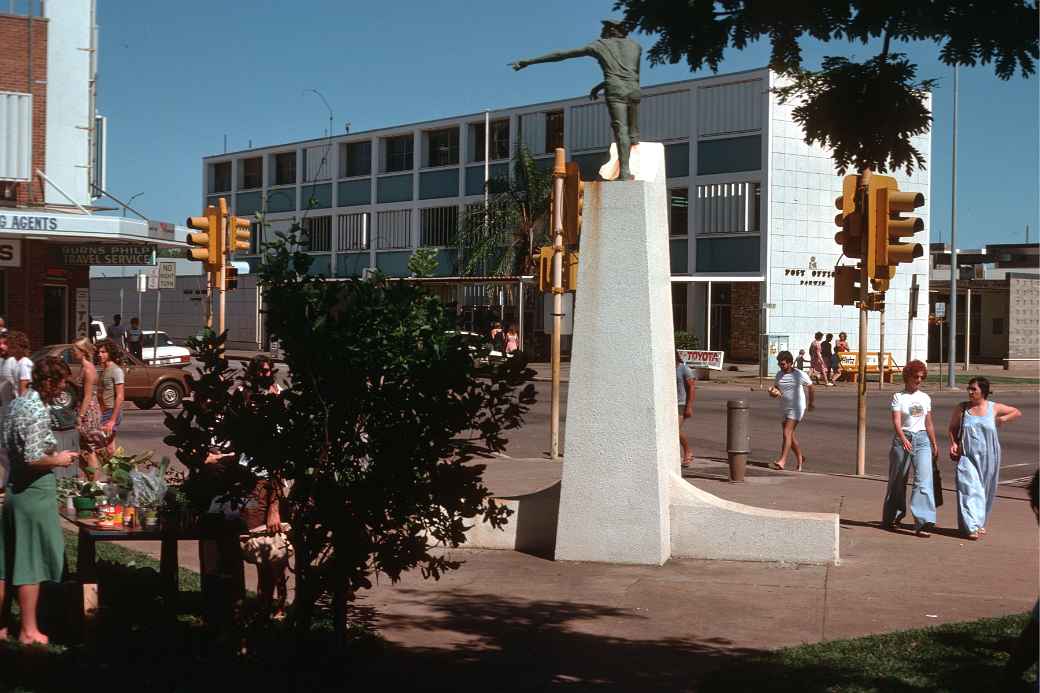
788, 386
32, 549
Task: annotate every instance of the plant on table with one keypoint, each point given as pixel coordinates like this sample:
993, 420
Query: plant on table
120, 464
374, 434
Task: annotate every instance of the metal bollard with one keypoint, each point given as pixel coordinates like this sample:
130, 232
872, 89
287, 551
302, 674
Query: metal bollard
738, 437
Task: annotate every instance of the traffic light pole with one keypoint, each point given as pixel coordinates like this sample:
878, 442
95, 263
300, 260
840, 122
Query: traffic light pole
882, 362
221, 278
209, 300
861, 365
559, 172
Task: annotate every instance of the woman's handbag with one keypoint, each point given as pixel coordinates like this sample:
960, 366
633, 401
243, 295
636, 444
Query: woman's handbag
960, 436
936, 483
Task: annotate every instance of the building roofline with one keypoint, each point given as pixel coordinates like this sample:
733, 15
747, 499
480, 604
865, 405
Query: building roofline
465, 116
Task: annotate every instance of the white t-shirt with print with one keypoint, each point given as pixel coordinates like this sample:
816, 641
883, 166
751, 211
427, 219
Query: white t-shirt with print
913, 407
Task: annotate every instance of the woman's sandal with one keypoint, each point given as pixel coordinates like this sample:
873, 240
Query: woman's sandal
774, 465
923, 532
801, 463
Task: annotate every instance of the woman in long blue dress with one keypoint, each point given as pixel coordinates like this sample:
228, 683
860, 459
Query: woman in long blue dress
975, 448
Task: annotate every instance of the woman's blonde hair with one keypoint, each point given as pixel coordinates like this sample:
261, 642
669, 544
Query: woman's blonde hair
84, 346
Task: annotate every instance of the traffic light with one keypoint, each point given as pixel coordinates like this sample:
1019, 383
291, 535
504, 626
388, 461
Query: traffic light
846, 285
573, 202
876, 302
888, 228
210, 239
851, 221
240, 233
570, 270
230, 278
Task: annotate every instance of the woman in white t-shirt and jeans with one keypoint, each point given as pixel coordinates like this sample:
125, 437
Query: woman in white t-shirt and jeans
913, 443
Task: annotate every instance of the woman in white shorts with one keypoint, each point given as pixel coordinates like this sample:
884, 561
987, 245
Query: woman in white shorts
788, 387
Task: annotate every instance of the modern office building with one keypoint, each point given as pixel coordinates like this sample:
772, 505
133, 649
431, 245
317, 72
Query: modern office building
751, 223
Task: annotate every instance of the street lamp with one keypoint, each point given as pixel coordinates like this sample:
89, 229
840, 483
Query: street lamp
132, 198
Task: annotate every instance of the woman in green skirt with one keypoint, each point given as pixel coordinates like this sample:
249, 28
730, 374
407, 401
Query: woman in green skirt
32, 549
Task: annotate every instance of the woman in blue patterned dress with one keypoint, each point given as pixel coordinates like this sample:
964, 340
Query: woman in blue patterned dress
975, 448
32, 549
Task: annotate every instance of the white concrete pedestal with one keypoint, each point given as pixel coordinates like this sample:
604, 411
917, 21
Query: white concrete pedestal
622, 498
622, 428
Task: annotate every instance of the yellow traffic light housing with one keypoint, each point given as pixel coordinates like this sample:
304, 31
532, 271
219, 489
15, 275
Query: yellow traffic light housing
241, 234
573, 203
210, 239
570, 270
889, 229
850, 219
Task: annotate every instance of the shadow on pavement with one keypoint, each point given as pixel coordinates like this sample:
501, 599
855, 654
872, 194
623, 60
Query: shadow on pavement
513, 645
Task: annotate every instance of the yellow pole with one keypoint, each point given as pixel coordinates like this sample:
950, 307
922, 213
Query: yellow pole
559, 172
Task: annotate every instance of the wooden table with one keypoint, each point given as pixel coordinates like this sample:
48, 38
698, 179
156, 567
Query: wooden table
211, 537
86, 554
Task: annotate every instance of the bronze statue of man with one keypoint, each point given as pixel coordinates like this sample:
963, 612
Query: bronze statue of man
619, 57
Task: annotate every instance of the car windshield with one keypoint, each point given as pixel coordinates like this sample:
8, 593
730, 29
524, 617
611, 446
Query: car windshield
148, 340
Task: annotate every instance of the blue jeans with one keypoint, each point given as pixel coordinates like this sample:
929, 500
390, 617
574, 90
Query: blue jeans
922, 498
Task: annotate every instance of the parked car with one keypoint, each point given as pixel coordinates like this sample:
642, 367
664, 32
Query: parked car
144, 385
167, 353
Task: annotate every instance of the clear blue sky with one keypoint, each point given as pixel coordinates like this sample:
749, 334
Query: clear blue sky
176, 77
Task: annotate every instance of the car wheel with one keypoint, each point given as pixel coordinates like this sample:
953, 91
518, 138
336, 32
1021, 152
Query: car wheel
144, 403
169, 395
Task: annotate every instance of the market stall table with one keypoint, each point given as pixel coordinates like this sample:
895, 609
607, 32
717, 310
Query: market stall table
86, 555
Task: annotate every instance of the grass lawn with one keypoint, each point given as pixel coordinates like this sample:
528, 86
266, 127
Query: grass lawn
954, 657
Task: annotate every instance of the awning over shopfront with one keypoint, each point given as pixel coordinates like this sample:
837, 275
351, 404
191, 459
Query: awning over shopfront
57, 227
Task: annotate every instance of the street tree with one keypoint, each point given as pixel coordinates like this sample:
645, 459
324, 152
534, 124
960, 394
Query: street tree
373, 441
500, 239
868, 111
423, 262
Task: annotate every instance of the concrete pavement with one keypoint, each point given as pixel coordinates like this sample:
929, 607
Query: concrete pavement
530, 622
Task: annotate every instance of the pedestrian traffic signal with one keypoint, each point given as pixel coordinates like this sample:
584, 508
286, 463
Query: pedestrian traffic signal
241, 236
846, 285
210, 239
230, 278
888, 228
850, 219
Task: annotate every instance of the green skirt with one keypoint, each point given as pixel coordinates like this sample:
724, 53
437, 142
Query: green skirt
32, 548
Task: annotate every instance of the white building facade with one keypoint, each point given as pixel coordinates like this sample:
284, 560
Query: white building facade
751, 223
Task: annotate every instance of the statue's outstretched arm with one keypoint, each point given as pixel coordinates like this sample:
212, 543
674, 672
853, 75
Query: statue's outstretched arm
554, 57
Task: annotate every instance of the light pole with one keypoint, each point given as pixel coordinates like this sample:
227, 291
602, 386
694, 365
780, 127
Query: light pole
951, 375
132, 198
325, 158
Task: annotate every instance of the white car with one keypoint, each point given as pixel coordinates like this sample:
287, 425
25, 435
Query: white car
168, 353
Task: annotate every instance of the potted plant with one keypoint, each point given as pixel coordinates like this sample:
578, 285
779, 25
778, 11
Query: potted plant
147, 491
118, 466
82, 494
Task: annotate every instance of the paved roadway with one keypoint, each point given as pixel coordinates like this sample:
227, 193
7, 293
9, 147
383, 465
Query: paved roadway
828, 434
